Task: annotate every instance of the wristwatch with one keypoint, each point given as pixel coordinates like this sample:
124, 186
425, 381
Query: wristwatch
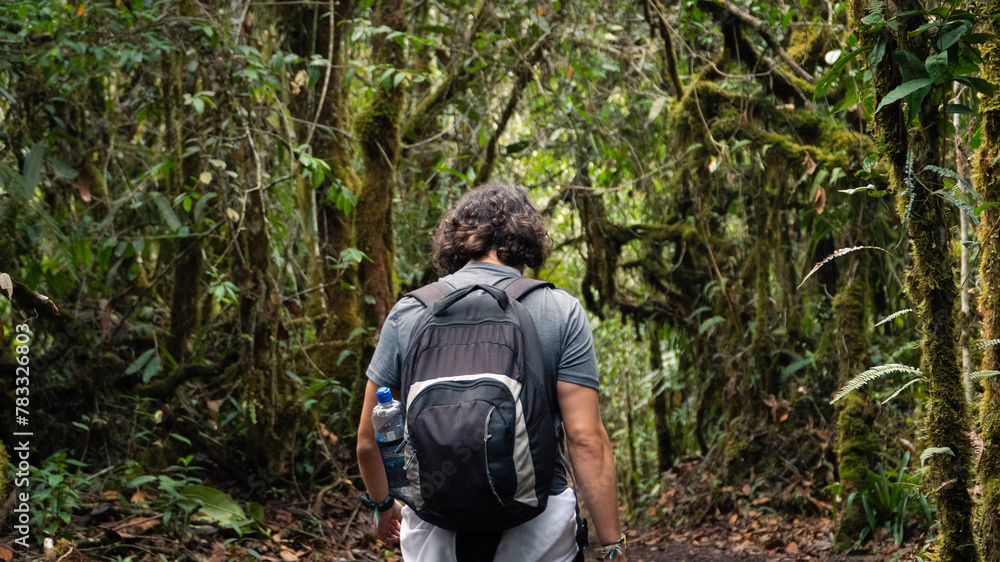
382, 506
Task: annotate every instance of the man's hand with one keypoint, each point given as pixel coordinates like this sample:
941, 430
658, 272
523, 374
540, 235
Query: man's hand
388, 524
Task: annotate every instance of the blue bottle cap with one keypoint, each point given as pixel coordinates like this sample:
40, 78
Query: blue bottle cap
384, 395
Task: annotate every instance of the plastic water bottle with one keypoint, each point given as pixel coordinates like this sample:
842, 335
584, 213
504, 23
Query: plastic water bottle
387, 417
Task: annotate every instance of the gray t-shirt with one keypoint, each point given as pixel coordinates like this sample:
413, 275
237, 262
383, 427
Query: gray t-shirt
563, 329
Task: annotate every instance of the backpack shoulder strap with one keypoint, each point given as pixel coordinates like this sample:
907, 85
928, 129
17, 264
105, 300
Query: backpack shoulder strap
521, 286
430, 294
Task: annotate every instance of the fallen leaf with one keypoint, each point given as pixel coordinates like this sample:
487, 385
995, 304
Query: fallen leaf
733, 518
139, 497
215, 405
792, 548
288, 556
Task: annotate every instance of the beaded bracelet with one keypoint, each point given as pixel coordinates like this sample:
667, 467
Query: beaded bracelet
610, 551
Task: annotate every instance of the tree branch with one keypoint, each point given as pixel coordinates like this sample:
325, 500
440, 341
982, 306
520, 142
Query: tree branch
762, 29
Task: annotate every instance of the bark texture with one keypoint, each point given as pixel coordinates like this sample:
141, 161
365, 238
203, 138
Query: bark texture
857, 442
987, 172
378, 132
931, 287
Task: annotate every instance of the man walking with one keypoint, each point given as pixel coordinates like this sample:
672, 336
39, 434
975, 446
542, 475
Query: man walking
487, 239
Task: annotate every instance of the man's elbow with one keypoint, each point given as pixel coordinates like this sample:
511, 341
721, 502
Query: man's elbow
366, 444
589, 443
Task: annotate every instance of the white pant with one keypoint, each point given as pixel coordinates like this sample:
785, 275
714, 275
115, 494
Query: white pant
550, 537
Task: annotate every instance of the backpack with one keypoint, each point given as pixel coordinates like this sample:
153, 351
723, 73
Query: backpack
480, 440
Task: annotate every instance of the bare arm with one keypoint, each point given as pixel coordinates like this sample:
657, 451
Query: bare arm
370, 464
593, 463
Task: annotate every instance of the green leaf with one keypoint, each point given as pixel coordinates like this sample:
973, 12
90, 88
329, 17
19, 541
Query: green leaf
33, 165
976, 38
202, 203
872, 19
151, 370
707, 324
838, 67
931, 451
12, 182
978, 210
937, 67
959, 109
256, 512
140, 361
181, 438
216, 505
904, 90
952, 37
62, 168
344, 354
878, 51
166, 212
139, 481
977, 84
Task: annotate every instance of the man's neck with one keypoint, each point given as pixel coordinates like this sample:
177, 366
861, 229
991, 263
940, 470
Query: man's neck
492, 258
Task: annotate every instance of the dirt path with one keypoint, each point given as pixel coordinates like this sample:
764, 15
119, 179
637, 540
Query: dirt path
676, 552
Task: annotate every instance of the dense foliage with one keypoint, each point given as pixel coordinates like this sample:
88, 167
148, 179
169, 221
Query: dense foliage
209, 208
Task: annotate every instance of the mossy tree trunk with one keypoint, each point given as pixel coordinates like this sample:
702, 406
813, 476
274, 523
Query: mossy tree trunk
857, 443
264, 390
329, 226
377, 130
185, 252
988, 180
932, 290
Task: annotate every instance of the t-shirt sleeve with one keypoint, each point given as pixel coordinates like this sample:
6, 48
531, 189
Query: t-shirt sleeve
578, 364
386, 362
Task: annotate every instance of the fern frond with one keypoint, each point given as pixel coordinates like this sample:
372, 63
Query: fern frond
901, 389
931, 451
837, 254
985, 344
852, 97
909, 191
946, 173
876, 6
872, 374
980, 375
892, 317
962, 204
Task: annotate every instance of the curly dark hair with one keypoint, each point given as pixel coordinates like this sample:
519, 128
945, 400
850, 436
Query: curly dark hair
492, 216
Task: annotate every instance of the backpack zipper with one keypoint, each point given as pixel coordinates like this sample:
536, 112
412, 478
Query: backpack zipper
486, 454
